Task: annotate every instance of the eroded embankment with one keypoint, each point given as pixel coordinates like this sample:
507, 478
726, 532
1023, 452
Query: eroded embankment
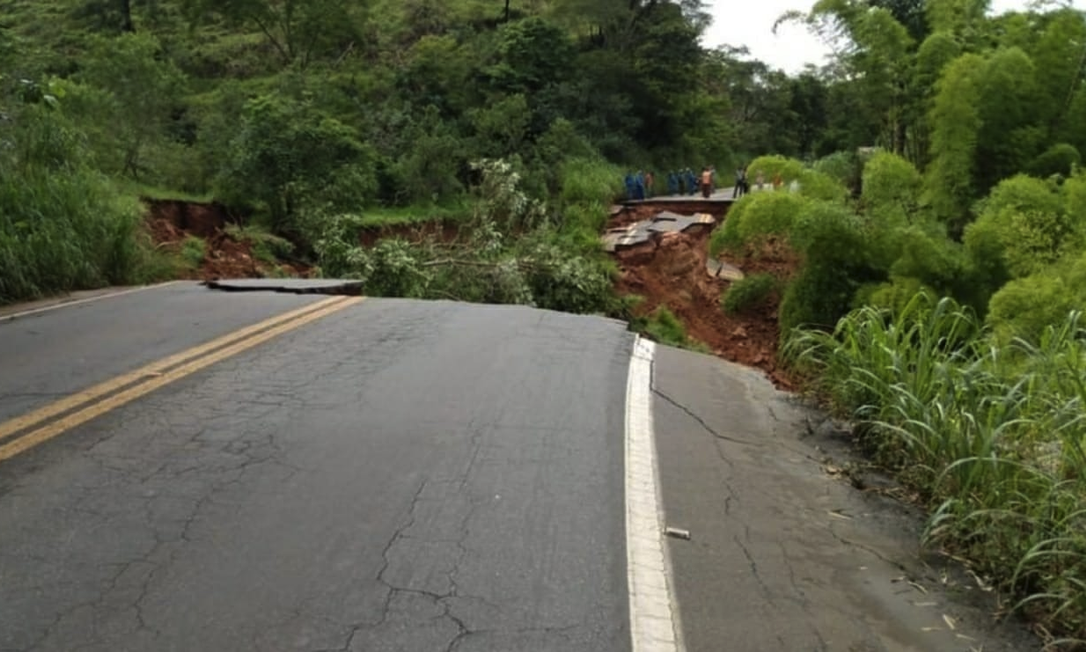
671, 269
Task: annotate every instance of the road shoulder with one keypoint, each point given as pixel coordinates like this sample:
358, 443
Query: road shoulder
782, 555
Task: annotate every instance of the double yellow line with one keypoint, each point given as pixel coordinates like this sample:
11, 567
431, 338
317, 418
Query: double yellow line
26, 431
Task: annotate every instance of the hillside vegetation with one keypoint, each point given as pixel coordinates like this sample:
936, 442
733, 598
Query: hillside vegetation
939, 213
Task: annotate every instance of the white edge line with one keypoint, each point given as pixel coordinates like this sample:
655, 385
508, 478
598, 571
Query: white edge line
653, 621
69, 304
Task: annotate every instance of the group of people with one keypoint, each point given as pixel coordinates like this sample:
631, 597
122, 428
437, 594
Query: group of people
639, 185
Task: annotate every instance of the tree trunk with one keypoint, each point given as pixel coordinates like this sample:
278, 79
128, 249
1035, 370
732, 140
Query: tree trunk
507, 11
126, 16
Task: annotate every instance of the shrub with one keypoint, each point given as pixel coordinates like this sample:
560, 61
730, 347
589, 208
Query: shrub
895, 295
590, 181
193, 251
291, 157
1025, 307
748, 293
1060, 158
836, 265
664, 327
1022, 228
891, 185
842, 167
63, 226
816, 185
755, 216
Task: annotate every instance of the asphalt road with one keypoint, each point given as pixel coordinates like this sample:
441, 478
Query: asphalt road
397, 475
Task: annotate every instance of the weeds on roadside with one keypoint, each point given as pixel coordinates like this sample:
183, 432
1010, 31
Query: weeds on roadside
992, 437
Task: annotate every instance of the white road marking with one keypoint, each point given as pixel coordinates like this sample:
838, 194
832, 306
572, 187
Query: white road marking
652, 616
78, 302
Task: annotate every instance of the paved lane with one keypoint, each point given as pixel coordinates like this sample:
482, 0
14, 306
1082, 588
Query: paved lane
387, 475
396, 476
51, 354
784, 557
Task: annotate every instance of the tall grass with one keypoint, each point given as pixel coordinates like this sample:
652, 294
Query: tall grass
992, 437
62, 226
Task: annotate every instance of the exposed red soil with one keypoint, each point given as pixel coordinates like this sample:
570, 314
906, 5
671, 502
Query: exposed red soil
170, 222
671, 271
193, 218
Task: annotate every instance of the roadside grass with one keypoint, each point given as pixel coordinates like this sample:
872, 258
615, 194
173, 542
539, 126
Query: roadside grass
993, 438
748, 293
662, 326
380, 217
193, 251
139, 190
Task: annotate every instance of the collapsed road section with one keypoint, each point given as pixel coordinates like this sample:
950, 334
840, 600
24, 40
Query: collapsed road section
288, 286
663, 259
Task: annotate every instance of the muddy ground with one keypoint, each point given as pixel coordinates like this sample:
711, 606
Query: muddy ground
171, 222
670, 271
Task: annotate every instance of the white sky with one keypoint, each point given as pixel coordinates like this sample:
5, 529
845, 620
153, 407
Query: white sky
751, 24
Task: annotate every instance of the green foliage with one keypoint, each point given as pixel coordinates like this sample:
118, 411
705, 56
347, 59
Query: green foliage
990, 436
1060, 159
756, 216
813, 184
842, 167
835, 266
513, 255
126, 76
895, 295
193, 251
291, 157
1009, 137
63, 227
664, 327
1022, 228
891, 185
298, 30
586, 180
748, 293
267, 247
1025, 307
948, 182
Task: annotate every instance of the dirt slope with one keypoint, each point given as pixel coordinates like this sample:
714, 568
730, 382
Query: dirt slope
171, 222
671, 270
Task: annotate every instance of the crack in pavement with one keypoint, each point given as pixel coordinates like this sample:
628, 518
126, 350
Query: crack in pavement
701, 421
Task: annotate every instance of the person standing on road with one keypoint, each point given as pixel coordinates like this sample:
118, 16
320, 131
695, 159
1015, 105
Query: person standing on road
672, 183
649, 180
740, 182
706, 183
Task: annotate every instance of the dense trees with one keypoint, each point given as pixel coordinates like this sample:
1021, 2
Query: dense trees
304, 109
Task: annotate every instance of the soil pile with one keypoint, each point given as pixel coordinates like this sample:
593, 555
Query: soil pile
671, 270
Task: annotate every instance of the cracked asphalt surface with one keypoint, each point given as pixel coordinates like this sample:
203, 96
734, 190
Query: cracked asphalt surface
397, 476
783, 556
417, 477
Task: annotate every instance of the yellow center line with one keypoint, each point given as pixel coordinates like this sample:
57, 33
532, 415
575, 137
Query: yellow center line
159, 367
59, 426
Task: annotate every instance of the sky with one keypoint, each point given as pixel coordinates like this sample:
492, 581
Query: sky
793, 46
